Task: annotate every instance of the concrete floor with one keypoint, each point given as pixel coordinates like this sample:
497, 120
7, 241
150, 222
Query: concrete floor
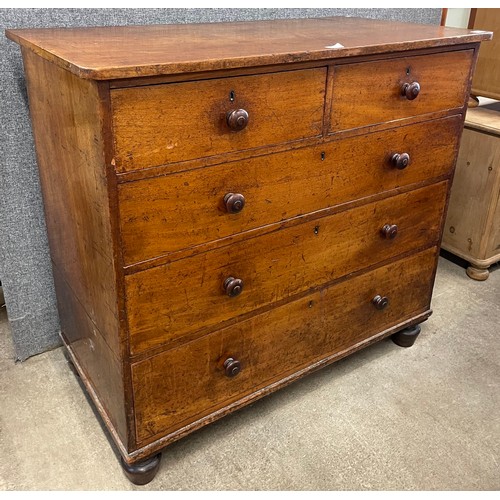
386, 418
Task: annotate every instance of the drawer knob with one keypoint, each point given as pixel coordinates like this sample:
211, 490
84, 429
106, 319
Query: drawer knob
400, 161
390, 231
234, 202
380, 302
237, 119
233, 286
232, 367
410, 90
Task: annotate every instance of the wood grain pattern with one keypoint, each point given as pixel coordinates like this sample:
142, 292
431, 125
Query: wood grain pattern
165, 214
100, 366
181, 121
273, 68
472, 228
493, 240
170, 301
188, 382
67, 118
375, 88
171, 168
65, 112
486, 81
134, 169
484, 119
132, 51
159, 443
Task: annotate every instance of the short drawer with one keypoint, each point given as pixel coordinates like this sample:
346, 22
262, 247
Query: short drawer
184, 384
369, 93
169, 213
161, 124
171, 301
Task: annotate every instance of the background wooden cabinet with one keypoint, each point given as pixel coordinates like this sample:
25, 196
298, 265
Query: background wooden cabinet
486, 80
472, 229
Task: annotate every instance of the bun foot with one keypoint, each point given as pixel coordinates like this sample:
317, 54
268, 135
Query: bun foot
473, 102
141, 473
477, 273
406, 337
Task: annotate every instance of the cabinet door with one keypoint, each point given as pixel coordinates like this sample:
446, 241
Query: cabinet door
486, 81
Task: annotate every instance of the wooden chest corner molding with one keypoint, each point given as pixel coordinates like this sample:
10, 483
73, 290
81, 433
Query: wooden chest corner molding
227, 218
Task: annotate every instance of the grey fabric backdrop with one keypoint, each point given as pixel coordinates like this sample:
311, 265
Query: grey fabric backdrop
25, 269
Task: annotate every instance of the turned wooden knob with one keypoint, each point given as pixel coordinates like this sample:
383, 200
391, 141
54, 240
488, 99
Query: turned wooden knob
232, 367
234, 202
410, 90
400, 161
237, 119
389, 231
380, 302
233, 286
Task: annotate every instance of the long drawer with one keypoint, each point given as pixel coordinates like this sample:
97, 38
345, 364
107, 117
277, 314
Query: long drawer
173, 122
190, 381
372, 92
170, 301
169, 213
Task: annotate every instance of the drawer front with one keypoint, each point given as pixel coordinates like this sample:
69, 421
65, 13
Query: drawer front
371, 92
161, 124
189, 382
187, 295
169, 213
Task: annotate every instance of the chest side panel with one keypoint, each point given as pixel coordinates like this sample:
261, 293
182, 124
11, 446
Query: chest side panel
68, 128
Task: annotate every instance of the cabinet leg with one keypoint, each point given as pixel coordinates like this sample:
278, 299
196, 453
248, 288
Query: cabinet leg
141, 473
477, 273
473, 102
406, 337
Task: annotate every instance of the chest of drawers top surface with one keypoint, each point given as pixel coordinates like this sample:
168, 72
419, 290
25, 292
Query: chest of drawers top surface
230, 206
126, 52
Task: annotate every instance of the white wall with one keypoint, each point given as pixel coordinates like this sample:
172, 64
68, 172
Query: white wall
458, 18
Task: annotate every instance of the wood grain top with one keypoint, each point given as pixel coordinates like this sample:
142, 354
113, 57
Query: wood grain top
485, 117
106, 53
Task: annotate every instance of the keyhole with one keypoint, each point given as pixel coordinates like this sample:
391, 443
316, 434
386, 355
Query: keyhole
323, 155
407, 71
231, 95
316, 230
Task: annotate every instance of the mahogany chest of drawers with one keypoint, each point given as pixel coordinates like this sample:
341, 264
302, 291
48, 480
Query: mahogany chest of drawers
231, 206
